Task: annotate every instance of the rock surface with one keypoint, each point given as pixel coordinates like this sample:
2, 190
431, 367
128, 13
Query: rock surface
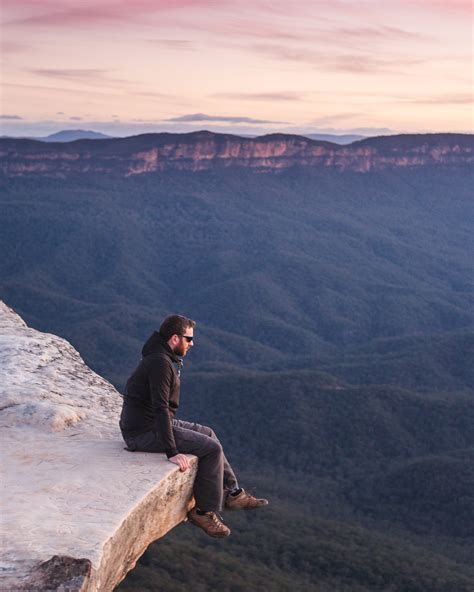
77, 509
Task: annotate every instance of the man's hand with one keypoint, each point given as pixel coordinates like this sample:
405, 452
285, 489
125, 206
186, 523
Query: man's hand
181, 460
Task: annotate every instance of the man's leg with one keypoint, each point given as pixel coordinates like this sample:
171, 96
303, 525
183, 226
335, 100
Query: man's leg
229, 479
208, 485
235, 498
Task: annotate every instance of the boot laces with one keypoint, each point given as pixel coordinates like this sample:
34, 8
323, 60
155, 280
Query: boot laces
216, 518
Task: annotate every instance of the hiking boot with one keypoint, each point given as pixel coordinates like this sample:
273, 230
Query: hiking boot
244, 501
210, 523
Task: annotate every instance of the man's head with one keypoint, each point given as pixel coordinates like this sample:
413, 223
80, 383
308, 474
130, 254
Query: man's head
178, 331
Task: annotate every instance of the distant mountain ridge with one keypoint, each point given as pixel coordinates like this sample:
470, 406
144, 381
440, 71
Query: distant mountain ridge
200, 151
337, 138
73, 135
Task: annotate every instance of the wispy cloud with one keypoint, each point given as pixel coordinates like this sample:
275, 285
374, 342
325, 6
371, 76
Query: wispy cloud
60, 89
10, 47
66, 13
90, 74
96, 88
252, 59
446, 99
239, 28
453, 6
75, 118
95, 78
197, 117
337, 117
357, 63
101, 82
10, 117
264, 96
378, 34
178, 44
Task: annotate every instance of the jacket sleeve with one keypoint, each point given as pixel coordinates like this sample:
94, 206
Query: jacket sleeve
160, 379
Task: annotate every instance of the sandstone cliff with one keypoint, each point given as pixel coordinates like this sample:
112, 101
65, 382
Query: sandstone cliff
200, 151
77, 509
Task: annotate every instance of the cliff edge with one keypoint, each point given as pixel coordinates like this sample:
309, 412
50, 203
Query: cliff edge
77, 509
207, 151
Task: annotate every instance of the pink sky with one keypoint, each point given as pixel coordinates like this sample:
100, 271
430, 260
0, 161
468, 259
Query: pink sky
251, 67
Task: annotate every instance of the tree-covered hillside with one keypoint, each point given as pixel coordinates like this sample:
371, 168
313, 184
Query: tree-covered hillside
273, 266
333, 354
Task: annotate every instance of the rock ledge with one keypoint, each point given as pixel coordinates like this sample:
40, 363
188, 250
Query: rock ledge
77, 509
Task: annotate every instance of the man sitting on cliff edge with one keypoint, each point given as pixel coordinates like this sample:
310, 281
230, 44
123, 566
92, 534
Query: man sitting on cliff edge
148, 425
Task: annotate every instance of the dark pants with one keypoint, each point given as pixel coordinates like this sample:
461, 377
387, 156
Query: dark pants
215, 476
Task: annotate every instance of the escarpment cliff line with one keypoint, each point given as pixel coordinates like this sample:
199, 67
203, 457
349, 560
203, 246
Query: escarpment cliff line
201, 151
77, 509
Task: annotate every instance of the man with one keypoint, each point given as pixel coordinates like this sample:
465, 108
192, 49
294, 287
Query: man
147, 424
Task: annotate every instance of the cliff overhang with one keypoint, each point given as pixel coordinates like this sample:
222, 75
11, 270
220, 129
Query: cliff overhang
78, 509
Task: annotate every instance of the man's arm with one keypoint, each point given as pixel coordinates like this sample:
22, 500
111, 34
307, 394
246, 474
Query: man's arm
160, 379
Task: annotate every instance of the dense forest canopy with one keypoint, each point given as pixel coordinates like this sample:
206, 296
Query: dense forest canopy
333, 353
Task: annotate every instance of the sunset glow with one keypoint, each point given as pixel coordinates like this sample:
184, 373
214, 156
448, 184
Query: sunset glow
251, 67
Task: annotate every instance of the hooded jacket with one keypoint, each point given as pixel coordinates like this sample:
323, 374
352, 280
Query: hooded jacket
152, 394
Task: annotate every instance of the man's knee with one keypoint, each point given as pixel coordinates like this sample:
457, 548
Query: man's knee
212, 434
214, 447
206, 430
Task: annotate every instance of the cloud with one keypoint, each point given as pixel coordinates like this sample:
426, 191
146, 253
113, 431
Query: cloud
13, 47
322, 35
67, 13
377, 34
71, 73
179, 44
158, 95
257, 28
351, 62
446, 99
10, 117
322, 121
75, 118
100, 79
453, 6
95, 81
194, 117
61, 90
103, 89
264, 96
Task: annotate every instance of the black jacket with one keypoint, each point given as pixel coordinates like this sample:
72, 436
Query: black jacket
152, 394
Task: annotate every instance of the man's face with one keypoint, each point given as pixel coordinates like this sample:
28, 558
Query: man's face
184, 342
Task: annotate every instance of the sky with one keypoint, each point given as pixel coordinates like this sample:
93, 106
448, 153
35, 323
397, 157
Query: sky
247, 67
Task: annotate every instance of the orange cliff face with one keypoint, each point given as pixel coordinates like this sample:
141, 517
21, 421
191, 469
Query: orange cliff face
205, 151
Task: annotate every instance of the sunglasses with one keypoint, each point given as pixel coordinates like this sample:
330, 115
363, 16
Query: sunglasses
188, 338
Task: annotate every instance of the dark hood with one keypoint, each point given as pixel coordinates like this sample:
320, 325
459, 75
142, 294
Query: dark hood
154, 344
157, 344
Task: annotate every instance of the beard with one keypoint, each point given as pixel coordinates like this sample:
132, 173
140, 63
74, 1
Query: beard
180, 350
